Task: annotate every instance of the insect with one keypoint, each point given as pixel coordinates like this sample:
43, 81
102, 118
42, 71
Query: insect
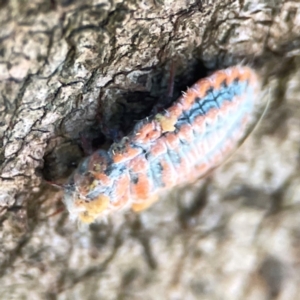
176, 146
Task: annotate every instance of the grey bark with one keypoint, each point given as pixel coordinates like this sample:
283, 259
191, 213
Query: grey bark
234, 235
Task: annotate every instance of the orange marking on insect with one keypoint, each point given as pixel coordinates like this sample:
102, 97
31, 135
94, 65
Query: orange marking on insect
125, 154
219, 78
171, 140
245, 75
188, 99
212, 116
168, 175
176, 110
159, 148
203, 85
120, 202
138, 165
199, 124
140, 206
202, 168
142, 187
232, 75
148, 133
122, 186
186, 133
102, 177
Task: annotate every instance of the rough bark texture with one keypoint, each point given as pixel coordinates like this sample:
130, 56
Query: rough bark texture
235, 235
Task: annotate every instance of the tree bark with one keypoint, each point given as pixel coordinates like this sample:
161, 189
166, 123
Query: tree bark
69, 70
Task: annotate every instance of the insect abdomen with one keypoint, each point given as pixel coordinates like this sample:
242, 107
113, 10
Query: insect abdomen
174, 147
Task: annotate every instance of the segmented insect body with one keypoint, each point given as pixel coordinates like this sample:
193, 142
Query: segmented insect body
174, 147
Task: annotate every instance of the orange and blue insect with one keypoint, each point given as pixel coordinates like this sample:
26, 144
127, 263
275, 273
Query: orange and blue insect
171, 148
